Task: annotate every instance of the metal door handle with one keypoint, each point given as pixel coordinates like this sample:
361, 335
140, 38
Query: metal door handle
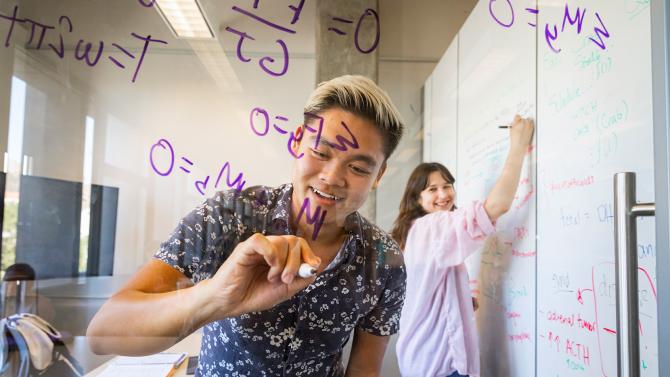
626, 212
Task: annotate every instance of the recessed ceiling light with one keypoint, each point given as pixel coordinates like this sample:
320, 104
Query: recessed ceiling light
185, 18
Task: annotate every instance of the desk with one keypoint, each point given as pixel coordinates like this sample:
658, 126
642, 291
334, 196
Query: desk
189, 345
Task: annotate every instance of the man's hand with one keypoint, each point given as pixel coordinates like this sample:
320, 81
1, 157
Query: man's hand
260, 273
159, 306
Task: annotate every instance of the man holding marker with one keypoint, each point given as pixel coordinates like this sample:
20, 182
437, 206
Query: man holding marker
271, 302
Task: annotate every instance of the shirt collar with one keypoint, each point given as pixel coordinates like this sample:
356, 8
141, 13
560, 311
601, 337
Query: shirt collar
353, 225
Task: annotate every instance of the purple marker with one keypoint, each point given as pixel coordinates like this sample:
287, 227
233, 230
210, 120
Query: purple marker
312, 219
265, 59
14, 19
147, 4
60, 51
493, 15
147, 40
358, 26
264, 113
242, 36
162, 143
86, 54
600, 33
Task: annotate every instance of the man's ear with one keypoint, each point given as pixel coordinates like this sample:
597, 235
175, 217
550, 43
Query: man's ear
382, 170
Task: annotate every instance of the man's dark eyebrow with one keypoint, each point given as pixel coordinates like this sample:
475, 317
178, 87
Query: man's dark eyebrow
365, 158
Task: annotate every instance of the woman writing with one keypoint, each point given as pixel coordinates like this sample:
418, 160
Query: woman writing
438, 335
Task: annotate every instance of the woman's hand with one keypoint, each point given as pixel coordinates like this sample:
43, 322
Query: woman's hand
521, 132
500, 199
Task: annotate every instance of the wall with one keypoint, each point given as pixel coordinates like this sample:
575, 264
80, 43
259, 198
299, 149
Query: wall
415, 35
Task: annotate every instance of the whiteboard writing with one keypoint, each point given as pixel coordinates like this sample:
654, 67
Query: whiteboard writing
571, 331
503, 14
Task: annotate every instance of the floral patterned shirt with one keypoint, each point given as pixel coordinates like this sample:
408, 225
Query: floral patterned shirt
364, 288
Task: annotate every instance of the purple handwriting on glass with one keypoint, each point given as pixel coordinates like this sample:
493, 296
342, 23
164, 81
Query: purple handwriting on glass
147, 3
83, 50
262, 128
265, 62
579, 20
164, 147
502, 12
312, 219
495, 13
367, 12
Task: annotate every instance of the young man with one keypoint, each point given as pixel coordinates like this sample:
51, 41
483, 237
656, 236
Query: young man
231, 265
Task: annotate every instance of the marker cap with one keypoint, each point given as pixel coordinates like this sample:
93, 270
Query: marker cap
306, 271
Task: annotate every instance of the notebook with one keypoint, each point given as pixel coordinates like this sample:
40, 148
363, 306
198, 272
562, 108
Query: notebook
157, 365
138, 370
159, 358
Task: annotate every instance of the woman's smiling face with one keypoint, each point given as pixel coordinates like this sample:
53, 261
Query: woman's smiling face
439, 194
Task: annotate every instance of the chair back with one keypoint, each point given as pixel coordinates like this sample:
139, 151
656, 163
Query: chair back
18, 293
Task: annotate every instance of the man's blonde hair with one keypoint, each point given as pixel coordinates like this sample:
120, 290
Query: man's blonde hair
361, 96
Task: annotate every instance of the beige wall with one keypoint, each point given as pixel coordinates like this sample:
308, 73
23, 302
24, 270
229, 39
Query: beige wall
415, 35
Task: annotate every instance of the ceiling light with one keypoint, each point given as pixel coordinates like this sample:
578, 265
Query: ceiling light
185, 18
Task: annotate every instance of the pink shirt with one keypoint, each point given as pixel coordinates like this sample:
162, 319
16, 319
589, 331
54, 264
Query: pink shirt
438, 333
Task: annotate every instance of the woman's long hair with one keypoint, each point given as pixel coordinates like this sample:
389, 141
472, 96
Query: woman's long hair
410, 209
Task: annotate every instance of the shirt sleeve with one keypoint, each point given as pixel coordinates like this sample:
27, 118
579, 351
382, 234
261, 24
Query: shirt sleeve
200, 242
384, 318
448, 238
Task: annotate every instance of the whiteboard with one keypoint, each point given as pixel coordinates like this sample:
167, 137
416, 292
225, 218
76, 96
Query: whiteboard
427, 117
442, 143
595, 116
496, 80
546, 279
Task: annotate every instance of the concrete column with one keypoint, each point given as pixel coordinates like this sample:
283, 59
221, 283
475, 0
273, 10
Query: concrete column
343, 51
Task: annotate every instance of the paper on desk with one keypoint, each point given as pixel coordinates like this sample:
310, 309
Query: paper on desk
158, 358
147, 370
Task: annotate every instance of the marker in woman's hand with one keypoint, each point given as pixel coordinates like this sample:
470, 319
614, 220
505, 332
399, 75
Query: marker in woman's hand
503, 126
306, 271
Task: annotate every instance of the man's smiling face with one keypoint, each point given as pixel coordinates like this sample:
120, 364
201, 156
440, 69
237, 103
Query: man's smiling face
337, 180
